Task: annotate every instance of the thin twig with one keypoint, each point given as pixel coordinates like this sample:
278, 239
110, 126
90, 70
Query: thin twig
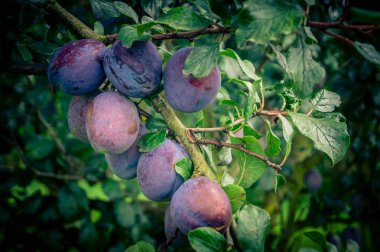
341, 38
220, 143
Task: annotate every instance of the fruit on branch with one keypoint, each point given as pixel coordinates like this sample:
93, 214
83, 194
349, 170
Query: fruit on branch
76, 116
124, 165
77, 67
156, 171
200, 202
184, 92
170, 229
112, 123
351, 233
134, 71
313, 180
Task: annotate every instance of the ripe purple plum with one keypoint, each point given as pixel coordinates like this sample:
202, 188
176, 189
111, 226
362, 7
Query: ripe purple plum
76, 116
184, 92
77, 67
134, 71
124, 165
156, 171
170, 229
200, 202
313, 180
112, 123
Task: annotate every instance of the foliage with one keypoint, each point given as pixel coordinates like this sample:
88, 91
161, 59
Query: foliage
294, 96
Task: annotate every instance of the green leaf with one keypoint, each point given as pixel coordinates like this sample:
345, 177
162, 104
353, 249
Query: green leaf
364, 16
199, 118
72, 202
184, 168
225, 156
127, 34
103, 9
249, 131
237, 196
126, 10
273, 142
141, 246
317, 237
38, 147
251, 168
288, 133
98, 28
208, 152
24, 52
181, 18
305, 70
227, 179
155, 123
282, 61
44, 48
151, 7
328, 134
125, 214
252, 228
152, 140
263, 20
245, 65
309, 35
201, 60
368, 51
278, 180
325, 101
206, 239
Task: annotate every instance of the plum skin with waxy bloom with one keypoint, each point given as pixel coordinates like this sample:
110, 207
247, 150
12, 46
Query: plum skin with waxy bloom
156, 171
134, 71
112, 123
77, 67
200, 202
184, 92
124, 165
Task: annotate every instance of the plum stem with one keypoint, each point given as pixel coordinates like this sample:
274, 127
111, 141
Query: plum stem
200, 165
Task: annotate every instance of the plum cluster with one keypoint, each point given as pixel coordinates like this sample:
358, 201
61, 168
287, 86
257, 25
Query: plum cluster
110, 122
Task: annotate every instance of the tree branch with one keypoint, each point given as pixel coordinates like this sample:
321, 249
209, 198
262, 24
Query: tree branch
29, 68
200, 165
219, 143
337, 36
71, 21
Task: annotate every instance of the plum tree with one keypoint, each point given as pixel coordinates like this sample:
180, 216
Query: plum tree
77, 67
200, 202
156, 171
184, 92
112, 123
124, 165
134, 71
313, 180
76, 116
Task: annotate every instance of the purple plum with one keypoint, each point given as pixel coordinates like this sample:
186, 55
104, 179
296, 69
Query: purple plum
156, 171
200, 202
77, 67
134, 71
124, 165
313, 180
184, 92
170, 229
76, 116
112, 123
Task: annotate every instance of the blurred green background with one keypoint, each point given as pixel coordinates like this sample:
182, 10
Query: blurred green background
57, 194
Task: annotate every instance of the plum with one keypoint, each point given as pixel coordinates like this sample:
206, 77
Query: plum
170, 229
124, 165
112, 123
134, 71
200, 202
76, 116
313, 180
184, 92
77, 67
156, 171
